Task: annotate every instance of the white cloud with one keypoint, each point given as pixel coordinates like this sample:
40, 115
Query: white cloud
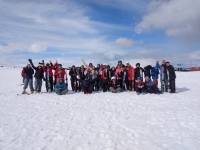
36, 48
127, 43
178, 18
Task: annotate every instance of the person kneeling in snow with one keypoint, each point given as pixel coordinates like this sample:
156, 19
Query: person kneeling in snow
87, 85
60, 87
139, 86
151, 87
115, 86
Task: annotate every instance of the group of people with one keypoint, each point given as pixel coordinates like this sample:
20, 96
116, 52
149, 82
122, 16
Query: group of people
88, 78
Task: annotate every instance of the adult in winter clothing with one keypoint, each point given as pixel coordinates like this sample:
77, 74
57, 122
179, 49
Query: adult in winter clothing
60, 87
81, 75
147, 71
23, 75
151, 87
59, 73
104, 78
87, 66
154, 74
163, 76
73, 73
28, 79
130, 76
39, 75
171, 76
140, 88
49, 75
114, 86
87, 84
112, 71
139, 71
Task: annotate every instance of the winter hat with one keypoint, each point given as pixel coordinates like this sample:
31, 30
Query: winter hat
113, 78
146, 77
47, 64
138, 64
104, 64
59, 65
127, 62
39, 65
139, 78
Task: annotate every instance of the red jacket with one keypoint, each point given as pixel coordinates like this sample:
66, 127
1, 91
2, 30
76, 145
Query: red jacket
50, 69
23, 73
131, 73
139, 83
59, 73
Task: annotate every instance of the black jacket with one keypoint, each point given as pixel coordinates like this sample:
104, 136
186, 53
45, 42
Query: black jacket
73, 73
137, 72
147, 71
29, 72
39, 73
170, 73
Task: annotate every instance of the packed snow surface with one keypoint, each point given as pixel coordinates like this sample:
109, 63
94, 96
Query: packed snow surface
100, 121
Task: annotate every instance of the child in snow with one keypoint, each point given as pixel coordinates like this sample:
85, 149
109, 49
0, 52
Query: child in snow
115, 86
39, 74
151, 87
139, 86
28, 79
60, 87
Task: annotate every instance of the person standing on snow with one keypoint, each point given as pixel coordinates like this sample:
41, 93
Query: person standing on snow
163, 76
139, 71
130, 79
23, 75
171, 76
73, 73
49, 75
39, 74
28, 79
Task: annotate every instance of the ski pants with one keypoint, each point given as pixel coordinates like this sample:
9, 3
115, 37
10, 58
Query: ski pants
129, 85
74, 84
38, 84
61, 92
164, 84
139, 90
115, 90
30, 83
87, 89
172, 86
50, 82
154, 89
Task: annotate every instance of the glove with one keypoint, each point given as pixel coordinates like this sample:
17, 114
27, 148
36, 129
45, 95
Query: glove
29, 60
44, 79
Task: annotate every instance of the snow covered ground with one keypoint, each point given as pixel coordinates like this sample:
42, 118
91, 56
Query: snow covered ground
100, 121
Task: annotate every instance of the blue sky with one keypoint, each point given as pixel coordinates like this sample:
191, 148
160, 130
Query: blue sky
100, 31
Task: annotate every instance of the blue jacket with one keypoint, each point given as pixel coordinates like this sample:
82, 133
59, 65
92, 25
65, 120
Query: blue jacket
154, 73
160, 69
61, 86
149, 84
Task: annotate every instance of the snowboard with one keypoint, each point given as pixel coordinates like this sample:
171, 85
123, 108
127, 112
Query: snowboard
48, 82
